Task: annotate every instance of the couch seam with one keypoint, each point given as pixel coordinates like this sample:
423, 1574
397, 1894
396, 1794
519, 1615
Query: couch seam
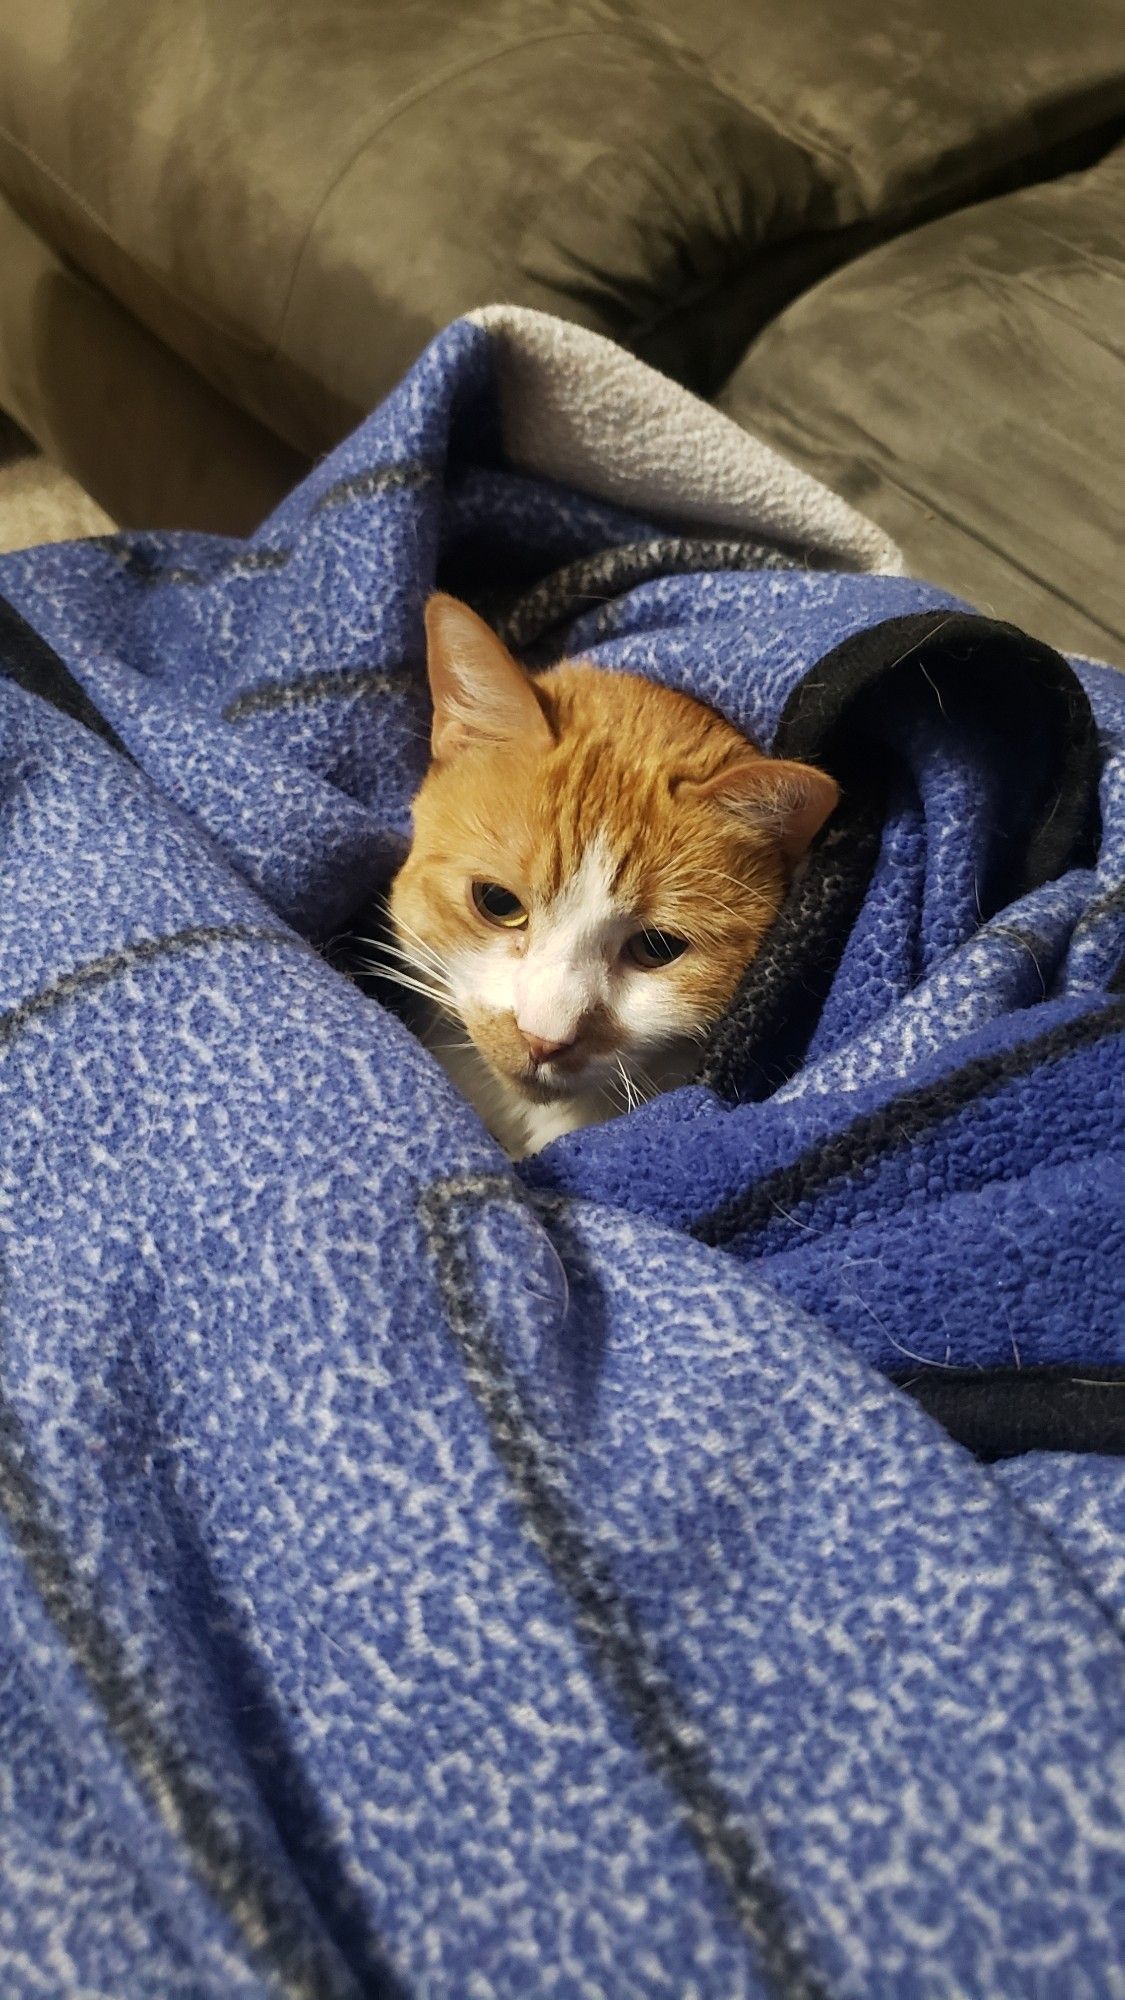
406, 102
226, 328
266, 346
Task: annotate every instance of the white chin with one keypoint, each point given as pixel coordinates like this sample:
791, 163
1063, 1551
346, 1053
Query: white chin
550, 1083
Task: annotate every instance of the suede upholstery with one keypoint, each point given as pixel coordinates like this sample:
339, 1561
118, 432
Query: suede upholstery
964, 386
258, 214
131, 421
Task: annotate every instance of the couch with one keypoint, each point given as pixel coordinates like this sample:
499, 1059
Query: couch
887, 239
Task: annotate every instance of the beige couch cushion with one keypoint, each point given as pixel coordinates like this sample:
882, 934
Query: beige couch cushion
965, 386
115, 408
295, 194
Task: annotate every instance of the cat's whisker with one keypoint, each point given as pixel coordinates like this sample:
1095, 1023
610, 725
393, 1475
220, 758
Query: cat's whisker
405, 983
750, 906
390, 928
632, 1095
643, 1081
736, 882
688, 881
395, 977
428, 969
738, 912
414, 962
421, 949
612, 1088
563, 854
444, 1023
729, 909
408, 930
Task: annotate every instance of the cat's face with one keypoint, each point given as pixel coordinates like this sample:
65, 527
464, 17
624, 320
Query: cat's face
595, 862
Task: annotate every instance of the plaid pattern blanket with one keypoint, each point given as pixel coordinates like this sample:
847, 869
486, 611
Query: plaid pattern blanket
423, 1575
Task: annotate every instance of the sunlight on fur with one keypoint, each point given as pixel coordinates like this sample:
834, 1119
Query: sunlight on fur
595, 862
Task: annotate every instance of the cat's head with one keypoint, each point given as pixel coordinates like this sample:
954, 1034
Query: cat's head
595, 861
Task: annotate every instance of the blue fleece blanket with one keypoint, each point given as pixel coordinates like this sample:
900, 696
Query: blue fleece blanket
426, 1576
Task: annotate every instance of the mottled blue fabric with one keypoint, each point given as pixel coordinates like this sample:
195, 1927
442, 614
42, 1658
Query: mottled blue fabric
426, 1577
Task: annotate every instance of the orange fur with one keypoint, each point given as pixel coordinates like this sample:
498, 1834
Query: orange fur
698, 832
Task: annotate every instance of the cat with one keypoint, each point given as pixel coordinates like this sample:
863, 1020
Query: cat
595, 861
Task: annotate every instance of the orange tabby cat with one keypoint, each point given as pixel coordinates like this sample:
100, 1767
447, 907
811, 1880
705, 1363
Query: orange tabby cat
595, 862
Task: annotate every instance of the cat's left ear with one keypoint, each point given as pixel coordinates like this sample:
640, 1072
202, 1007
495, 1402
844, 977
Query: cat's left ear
788, 802
482, 696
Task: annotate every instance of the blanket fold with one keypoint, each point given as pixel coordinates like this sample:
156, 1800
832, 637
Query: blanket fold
427, 1576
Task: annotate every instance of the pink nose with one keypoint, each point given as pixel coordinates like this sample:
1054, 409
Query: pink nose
541, 1051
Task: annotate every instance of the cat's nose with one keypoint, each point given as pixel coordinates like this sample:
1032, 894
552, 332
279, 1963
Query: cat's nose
541, 1051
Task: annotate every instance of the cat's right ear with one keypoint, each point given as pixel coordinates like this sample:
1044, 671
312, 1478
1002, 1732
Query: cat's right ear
482, 696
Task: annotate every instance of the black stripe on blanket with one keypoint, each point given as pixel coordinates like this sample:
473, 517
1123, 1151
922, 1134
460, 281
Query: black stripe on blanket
1002, 1414
267, 697
535, 623
113, 965
275, 1913
148, 566
614, 1641
29, 661
1024, 701
903, 1119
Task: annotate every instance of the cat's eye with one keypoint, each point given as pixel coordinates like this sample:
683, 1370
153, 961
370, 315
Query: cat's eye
499, 906
652, 949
